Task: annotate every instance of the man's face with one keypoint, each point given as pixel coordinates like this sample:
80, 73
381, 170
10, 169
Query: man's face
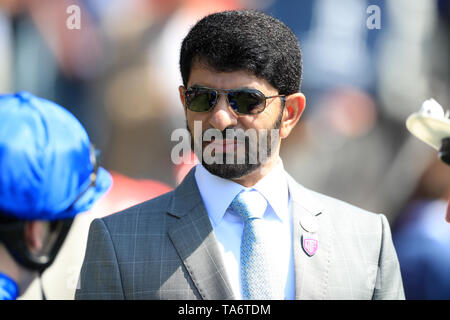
222, 118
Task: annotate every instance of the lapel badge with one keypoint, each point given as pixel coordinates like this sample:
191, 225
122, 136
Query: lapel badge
310, 243
309, 239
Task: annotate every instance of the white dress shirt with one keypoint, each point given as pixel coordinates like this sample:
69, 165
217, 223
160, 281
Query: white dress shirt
217, 194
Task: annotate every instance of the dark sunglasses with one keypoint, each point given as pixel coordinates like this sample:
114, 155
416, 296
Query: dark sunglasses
242, 101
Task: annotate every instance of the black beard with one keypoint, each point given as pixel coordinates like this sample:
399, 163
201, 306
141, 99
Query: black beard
236, 170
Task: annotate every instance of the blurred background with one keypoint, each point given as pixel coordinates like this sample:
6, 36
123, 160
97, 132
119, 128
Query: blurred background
367, 66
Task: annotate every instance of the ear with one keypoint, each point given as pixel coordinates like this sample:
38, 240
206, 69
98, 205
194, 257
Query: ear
181, 90
35, 233
294, 107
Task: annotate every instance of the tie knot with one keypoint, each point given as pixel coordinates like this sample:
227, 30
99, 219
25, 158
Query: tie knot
249, 204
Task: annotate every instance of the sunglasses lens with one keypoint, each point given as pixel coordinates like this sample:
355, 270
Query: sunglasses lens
200, 100
242, 101
246, 102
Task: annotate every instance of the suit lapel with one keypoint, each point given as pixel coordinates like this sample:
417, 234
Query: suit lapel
193, 238
311, 272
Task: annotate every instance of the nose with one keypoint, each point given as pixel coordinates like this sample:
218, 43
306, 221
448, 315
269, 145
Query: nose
221, 115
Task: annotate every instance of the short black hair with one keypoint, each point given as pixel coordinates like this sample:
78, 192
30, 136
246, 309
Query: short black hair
247, 40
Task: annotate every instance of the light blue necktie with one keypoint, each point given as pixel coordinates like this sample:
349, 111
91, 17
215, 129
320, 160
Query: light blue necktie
255, 276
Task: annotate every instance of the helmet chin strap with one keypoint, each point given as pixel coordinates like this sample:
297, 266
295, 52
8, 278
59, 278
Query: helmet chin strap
42, 286
11, 235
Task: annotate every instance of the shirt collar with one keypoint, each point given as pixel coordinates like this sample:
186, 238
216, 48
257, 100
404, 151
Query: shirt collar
274, 188
217, 193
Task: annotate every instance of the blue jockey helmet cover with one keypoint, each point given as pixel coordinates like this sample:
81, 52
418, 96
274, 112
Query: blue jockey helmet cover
45, 161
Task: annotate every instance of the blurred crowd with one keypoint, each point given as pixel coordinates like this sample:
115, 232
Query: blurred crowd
118, 74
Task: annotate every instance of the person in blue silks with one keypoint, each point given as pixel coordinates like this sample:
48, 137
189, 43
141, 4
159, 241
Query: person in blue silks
49, 173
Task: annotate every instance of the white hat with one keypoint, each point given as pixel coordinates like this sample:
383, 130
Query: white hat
430, 124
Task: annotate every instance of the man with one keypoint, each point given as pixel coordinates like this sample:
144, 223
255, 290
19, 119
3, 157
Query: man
49, 174
240, 229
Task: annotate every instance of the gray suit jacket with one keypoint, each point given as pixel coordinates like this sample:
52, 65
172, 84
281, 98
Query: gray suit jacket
165, 248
